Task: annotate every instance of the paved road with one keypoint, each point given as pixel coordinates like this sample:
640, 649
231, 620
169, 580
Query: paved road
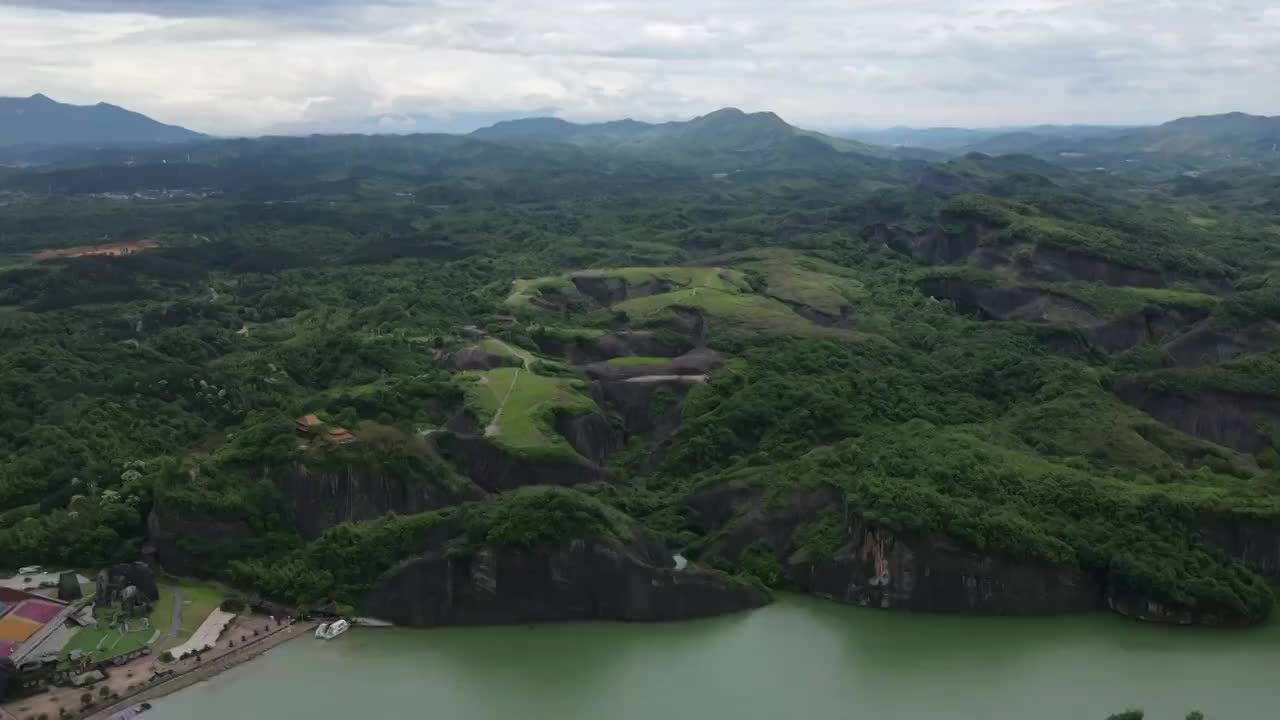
175, 623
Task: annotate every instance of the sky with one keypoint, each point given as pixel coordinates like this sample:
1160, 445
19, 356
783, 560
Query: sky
251, 66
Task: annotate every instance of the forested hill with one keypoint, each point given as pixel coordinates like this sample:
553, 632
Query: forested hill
729, 131
38, 120
524, 374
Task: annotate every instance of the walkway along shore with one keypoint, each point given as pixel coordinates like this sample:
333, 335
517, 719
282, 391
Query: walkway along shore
206, 670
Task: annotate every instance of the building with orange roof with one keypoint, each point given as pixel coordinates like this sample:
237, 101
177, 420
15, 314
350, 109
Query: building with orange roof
339, 435
307, 423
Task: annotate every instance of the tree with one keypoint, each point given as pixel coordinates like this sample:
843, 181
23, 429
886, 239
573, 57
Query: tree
86, 699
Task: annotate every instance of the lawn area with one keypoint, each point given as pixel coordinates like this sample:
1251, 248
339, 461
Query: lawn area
796, 278
498, 347
523, 292
639, 361
198, 600
751, 312
162, 615
524, 423
104, 643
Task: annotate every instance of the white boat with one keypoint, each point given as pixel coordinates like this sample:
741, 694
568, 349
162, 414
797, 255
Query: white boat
329, 631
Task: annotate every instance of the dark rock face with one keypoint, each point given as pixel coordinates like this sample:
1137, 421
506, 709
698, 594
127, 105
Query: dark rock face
69, 587
1253, 541
653, 410
321, 499
180, 537
876, 567
644, 343
932, 573
592, 435
702, 361
612, 290
934, 245
1059, 264
1206, 344
1139, 607
1031, 304
1228, 419
495, 469
114, 582
591, 578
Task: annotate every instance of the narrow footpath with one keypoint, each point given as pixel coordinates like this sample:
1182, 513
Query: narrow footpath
175, 622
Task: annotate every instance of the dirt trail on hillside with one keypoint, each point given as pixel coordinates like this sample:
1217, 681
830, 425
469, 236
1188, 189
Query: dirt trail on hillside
495, 426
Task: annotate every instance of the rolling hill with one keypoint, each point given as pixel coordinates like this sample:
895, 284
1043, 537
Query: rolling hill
728, 131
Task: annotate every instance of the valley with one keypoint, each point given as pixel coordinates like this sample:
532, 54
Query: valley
507, 379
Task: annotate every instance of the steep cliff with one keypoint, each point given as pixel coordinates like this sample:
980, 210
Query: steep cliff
327, 495
191, 543
496, 469
594, 577
1230, 419
860, 564
810, 540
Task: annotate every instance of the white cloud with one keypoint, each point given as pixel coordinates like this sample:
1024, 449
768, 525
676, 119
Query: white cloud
240, 66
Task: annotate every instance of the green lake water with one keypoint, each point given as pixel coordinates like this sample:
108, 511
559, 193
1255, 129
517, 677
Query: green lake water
798, 658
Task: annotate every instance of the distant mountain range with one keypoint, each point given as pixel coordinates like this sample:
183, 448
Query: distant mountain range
1231, 136
729, 136
960, 139
725, 130
38, 120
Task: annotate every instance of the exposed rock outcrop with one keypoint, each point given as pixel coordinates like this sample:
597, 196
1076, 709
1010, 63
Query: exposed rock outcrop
476, 358
69, 587
184, 540
1207, 343
588, 578
593, 435
1044, 305
1254, 541
113, 583
1045, 262
610, 290
1228, 419
320, 498
585, 350
653, 410
700, 362
496, 469
1141, 607
876, 567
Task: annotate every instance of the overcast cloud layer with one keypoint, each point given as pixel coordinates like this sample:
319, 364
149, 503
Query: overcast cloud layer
233, 66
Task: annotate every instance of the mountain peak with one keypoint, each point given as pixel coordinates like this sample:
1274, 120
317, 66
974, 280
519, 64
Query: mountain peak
41, 120
725, 113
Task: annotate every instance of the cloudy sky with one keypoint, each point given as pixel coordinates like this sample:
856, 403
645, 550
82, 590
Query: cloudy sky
243, 66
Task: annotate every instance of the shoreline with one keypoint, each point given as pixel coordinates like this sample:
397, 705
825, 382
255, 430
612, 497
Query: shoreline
216, 666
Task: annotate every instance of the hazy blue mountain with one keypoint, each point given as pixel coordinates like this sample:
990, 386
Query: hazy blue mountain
957, 139
38, 120
1228, 137
397, 123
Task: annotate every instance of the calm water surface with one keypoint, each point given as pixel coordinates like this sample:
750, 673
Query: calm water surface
798, 658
